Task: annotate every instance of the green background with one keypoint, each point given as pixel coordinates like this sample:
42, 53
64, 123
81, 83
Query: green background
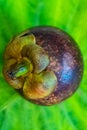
16, 16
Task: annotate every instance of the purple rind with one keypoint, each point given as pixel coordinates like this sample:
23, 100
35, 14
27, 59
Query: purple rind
65, 61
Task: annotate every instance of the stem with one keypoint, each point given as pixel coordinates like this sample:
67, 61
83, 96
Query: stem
22, 68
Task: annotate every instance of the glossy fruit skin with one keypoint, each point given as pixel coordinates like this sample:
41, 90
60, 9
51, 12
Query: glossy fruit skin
65, 61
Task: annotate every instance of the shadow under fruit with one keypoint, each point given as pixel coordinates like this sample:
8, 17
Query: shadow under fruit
44, 64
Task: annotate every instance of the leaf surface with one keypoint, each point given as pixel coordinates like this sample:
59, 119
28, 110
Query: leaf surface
16, 16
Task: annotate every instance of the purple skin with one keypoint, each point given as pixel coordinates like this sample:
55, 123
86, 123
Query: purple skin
65, 60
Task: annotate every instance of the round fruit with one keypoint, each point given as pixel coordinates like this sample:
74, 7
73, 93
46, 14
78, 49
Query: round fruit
44, 64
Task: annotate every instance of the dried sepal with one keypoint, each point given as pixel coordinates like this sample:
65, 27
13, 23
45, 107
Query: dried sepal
39, 85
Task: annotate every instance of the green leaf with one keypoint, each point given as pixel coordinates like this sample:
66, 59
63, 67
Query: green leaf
15, 112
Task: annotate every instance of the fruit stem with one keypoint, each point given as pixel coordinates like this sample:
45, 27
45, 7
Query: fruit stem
22, 69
